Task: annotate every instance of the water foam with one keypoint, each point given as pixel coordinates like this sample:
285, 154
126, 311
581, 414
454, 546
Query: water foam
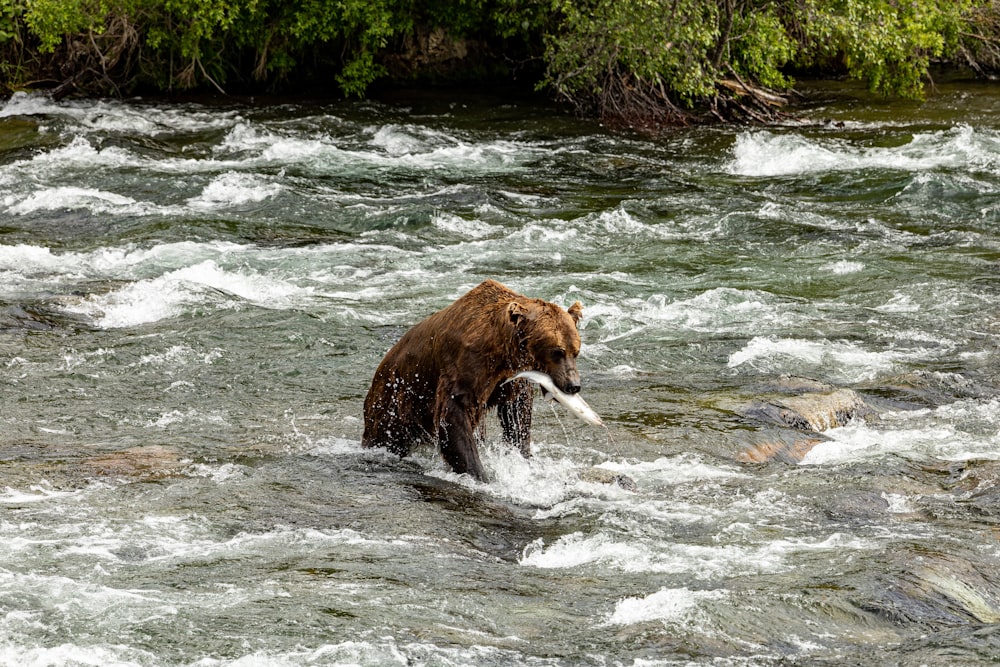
474, 229
619, 221
76, 655
179, 355
957, 432
844, 267
899, 303
26, 259
114, 263
398, 140
140, 303
766, 153
700, 561
674, 606
390, 147
35, 494
69, 197
717, 309
168, 419
385, 650
540, 481
93, 539
184, 275
79, 154
27, 104
769, 154
681, 469
235, 189
118, 117
842, 359
495, 156
174, 293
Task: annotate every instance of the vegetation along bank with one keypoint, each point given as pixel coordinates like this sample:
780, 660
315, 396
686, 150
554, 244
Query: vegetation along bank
639, 63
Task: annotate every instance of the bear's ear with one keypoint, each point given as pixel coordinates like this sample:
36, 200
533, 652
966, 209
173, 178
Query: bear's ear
576, 312
516, 312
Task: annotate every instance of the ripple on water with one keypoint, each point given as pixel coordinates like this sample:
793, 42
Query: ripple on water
194, 298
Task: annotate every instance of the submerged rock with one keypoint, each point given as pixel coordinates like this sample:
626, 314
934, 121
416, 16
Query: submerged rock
796, 384
813, 411
609, 477
149, 462
784, 447
937, 588
18, 318
921, 388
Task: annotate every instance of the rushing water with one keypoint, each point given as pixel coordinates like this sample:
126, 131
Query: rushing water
193, 300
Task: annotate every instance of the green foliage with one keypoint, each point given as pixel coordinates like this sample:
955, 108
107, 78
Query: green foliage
358, 74
11, 41
187, 26
361, 27
607, 56
186, 39
52, 20
761, 47
10, 21
627, 59
690, 47
666, 41
888, 44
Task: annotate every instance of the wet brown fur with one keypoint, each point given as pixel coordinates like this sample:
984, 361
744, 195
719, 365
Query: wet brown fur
437, 383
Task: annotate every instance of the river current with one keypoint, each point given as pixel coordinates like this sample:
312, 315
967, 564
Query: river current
194, 297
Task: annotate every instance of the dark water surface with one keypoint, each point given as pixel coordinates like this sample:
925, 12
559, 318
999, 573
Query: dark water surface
791, 333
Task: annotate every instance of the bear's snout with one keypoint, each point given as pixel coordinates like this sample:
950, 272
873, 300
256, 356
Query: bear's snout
568, 380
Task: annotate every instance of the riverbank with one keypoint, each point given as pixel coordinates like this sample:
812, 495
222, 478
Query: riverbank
630, 64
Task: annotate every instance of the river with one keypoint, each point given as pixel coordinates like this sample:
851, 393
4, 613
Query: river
194, 297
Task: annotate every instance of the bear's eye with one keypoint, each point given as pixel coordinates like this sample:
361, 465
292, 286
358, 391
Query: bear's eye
557, 354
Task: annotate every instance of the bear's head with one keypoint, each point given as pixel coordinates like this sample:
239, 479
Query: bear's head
550, 336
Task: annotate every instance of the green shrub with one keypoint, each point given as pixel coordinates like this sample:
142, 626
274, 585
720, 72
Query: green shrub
656, 59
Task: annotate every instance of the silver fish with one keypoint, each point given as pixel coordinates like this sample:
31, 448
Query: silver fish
574, 402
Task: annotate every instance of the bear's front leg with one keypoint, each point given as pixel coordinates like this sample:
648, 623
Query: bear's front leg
514, 401
457, 423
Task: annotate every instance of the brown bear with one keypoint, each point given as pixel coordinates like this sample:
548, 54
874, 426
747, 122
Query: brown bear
437, 383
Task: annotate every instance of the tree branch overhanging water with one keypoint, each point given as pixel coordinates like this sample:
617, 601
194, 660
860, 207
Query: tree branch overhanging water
635, 63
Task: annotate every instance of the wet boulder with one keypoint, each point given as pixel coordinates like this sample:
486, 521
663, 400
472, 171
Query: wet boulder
814, 411
776, 445
791, 415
